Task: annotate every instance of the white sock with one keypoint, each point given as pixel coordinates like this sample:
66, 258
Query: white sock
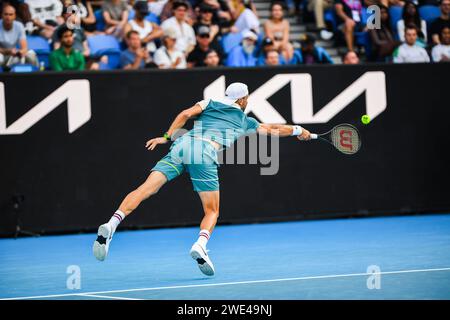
203, 237
116, 219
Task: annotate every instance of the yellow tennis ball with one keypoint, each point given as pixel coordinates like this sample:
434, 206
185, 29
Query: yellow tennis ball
365, 119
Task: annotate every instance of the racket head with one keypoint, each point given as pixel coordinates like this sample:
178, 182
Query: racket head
345, 138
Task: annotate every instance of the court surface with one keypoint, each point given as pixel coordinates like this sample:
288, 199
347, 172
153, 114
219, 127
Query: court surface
325, 259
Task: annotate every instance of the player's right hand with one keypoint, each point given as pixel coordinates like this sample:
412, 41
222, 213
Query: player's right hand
305, 136
152, 143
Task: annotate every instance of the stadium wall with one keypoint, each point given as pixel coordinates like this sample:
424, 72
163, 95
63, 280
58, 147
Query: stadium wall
72, 145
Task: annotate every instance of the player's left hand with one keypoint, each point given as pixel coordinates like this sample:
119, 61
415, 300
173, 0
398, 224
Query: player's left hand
305, 136
152, 143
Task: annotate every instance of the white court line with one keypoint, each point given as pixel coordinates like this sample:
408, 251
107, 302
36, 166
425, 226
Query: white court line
230, 283
106, 297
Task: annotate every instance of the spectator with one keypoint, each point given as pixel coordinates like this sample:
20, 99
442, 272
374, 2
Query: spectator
441, 22
115, 13
148, 31
266, 46
349, 13
184, 33
22, 13
411, 16
441, 52
350, 57
135, 56
244, 55
277, 28
383, 42
246, 18
206, 19
46, 15
212, 59
66, 57
309, 53
319, 6
272, 58
168, 11
167, 56
197, 57
12, 35
410, 51
79, 37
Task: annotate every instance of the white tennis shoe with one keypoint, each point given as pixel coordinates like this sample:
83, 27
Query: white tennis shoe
199, 254
101, 244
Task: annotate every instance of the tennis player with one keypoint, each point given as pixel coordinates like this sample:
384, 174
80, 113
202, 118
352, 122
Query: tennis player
218, 124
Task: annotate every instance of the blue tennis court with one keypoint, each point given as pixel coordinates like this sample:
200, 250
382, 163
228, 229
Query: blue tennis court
323, 259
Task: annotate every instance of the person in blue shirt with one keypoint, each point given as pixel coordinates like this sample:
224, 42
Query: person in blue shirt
309, 53
219, 123
244, 55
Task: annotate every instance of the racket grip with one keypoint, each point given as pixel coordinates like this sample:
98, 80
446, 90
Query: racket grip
314, 136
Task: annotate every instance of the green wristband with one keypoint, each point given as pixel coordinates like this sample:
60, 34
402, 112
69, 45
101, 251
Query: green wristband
166, 136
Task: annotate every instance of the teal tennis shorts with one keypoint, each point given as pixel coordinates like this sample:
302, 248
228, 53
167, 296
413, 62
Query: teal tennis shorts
197, 157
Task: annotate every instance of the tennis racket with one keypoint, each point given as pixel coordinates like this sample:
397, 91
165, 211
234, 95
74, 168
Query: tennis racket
344, 137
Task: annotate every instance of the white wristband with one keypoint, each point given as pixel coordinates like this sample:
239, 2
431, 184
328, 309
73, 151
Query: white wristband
296, 130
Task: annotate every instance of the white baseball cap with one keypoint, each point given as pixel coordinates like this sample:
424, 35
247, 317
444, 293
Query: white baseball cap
248, 34
236, 90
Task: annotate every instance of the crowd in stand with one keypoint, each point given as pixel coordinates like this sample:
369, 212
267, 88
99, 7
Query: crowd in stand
180, 34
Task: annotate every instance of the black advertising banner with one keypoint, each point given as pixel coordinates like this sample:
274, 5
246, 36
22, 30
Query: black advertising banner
72, 145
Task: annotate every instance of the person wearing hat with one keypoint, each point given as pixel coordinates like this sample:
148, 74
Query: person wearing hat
148, 31
167, 56
309, 53
197, 56
244, 55
184, 33
219, 123
268, 45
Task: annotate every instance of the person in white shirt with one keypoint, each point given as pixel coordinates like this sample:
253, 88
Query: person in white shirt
410, 51
167, 56
185, 35
441, 52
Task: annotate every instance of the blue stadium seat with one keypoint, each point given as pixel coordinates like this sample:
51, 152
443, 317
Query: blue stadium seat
42, 48
99, 20
105, 45
429, 13
395, 12
23, 68
230, 40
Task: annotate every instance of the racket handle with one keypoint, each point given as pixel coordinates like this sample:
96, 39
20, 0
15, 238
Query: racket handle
314, 136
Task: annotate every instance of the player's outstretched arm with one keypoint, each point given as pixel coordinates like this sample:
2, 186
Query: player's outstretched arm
284, 130
178, 123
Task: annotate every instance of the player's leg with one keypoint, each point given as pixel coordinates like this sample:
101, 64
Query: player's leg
150, 187
210, 203
205, 181
105, 232
165, 170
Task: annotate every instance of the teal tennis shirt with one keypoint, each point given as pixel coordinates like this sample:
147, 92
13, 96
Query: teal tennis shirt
222, 122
